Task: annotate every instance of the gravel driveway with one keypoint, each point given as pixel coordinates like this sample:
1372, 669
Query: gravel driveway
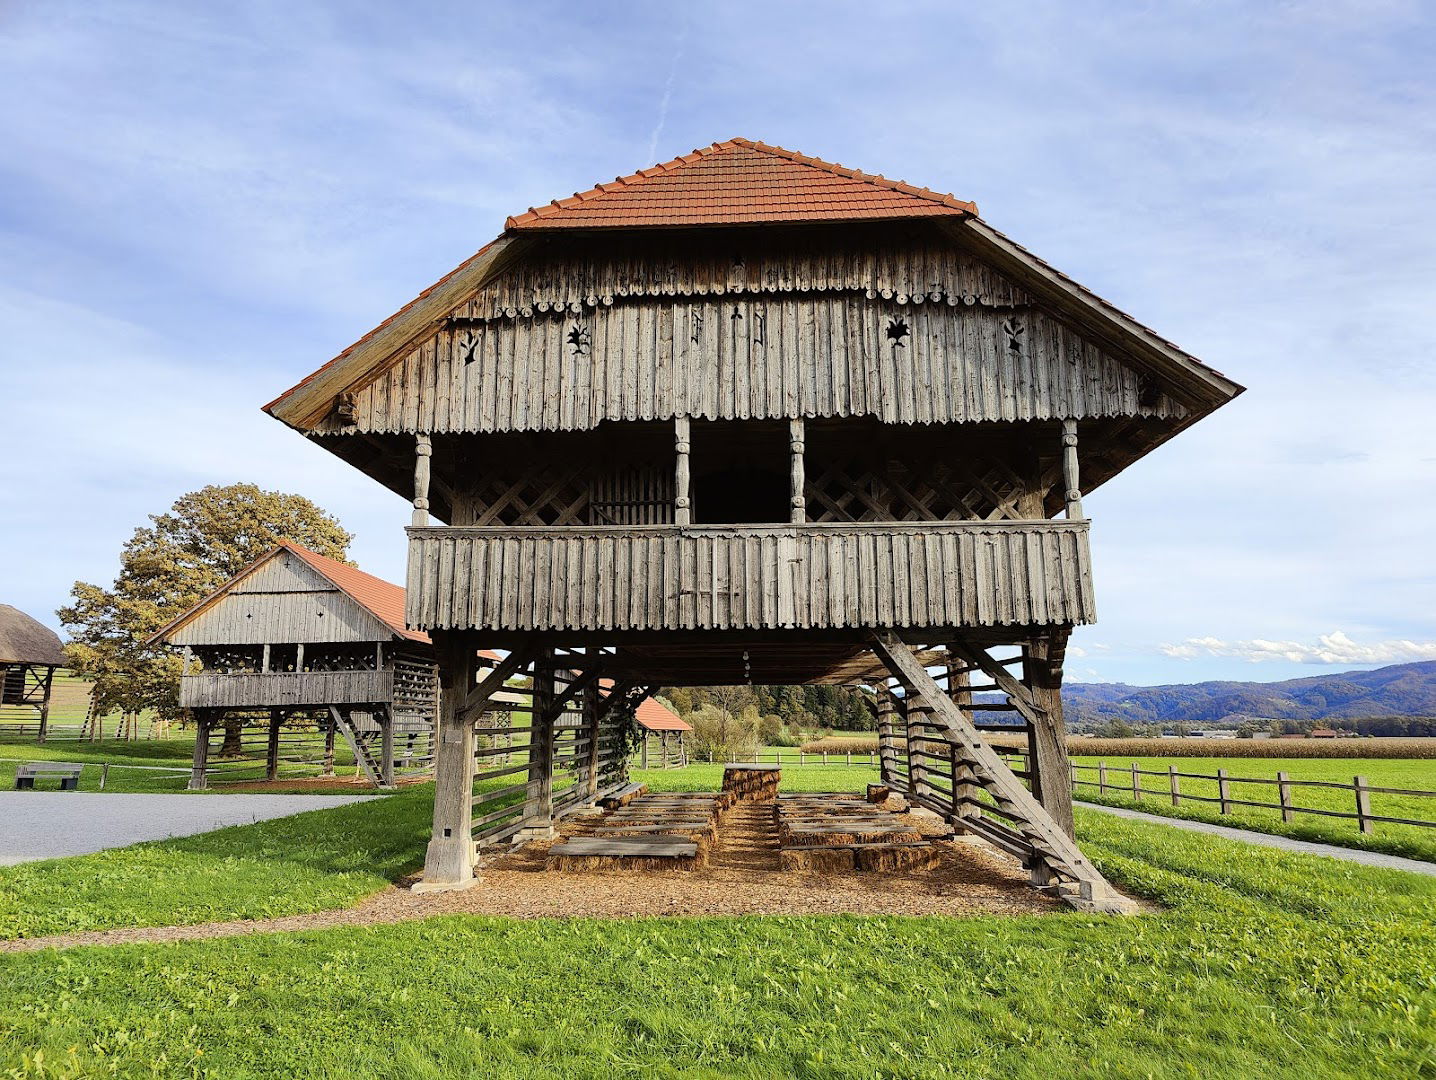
49, 824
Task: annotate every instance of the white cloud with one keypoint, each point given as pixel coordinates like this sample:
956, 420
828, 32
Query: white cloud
1333, 648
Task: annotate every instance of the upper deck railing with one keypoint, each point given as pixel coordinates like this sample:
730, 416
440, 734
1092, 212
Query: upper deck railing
750, 577
285, 688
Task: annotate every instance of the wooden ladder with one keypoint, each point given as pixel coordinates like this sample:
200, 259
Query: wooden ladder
359, 747
1078, 881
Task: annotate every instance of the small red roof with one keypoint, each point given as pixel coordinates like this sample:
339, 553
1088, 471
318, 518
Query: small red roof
740, 182
656, 716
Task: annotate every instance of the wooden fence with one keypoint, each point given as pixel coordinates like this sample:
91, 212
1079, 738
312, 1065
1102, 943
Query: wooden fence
1167, 784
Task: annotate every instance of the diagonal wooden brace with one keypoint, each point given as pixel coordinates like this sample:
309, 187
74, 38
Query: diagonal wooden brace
1092, 892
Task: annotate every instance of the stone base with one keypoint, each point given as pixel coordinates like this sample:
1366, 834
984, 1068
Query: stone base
534, 832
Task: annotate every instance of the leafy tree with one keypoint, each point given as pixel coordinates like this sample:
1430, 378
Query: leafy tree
167, 567
719, 735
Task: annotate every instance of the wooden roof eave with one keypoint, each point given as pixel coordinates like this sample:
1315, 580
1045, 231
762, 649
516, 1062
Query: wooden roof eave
306, 405
1198, 387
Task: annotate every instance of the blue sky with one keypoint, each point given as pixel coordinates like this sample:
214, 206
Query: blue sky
201, 203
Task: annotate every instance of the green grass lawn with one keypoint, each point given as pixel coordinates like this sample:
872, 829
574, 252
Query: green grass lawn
1409, 840
1263, 964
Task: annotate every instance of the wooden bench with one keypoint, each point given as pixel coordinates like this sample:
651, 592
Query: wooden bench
27, 772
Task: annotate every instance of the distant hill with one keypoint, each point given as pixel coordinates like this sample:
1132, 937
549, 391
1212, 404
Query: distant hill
1399, 690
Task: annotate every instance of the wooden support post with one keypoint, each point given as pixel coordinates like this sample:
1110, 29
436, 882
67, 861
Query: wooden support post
682, 445
663, 743
916, 744
45, 682
1224, 793
887, 750
797, 482
330, 731
271, 755
1283, 792
593, 728
1071, 477
964, 786
449, 858
1137, 783
1363, 805
1175, 785
385, 715
198, 781
1048, 763
643, 750
1101, 778
299, 656
264, 659
423, 453
538, 812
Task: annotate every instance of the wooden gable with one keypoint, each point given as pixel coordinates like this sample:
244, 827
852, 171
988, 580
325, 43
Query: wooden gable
280, 600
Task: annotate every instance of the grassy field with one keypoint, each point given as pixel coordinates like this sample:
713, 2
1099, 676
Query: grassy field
1408, 840
1263, 964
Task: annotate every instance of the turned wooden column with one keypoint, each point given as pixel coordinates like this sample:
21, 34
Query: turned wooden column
449, 859
423, 453
796, 479
1071, 476
682, 502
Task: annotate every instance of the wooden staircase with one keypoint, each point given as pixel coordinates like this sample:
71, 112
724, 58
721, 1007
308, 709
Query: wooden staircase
1019, 823
361, 746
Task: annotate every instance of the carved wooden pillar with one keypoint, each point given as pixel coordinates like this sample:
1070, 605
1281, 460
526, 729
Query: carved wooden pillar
797, 480
423, 453
449, 859
1071, 477
682, 503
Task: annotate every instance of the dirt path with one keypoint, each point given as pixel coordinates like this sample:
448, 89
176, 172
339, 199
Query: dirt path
742, 878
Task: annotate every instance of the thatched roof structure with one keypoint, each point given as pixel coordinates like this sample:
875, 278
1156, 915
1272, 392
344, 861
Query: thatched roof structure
25, 641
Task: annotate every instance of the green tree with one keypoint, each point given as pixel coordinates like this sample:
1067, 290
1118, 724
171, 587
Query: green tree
167, 567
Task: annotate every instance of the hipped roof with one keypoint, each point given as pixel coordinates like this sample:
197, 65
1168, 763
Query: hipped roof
740, 182
24, 640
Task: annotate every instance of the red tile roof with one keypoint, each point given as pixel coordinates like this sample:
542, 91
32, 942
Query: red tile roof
656, 716
382, 599
740, 182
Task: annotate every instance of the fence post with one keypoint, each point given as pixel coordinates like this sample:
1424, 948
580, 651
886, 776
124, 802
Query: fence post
1283, 791
104, 774
1363, 806
1172, 775
850, 757
825, 757
1136, 782
1224, 791
1073, 770
800, 757
1101, 777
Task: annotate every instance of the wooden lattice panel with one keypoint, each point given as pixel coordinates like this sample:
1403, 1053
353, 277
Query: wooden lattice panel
973, 490
543, 494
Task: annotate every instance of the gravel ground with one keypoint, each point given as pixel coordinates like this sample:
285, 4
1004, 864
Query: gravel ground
51, 824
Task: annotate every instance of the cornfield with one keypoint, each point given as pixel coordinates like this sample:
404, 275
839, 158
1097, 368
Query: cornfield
1080, 746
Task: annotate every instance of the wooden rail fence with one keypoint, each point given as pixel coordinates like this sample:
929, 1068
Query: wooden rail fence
1167, 784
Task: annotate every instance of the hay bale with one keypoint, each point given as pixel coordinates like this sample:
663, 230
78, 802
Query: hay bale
894, 857
626, 853
826, 835
878, 793
752, 783
816, 859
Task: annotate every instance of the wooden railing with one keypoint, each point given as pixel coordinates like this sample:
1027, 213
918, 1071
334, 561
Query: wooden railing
261, 689
813, 576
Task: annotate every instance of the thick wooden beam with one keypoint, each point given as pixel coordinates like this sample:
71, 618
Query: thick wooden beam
1048, 762
449, 858
538, 810
475, 699
1071, 477
204, 721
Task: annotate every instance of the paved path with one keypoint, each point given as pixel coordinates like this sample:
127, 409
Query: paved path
1285, 843
49, 824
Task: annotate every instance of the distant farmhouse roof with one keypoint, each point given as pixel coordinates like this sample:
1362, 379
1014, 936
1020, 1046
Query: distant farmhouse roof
656, 716
23, 640
382, 599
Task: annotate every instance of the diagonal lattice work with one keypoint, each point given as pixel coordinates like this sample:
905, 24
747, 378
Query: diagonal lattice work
1014, 820
918, 490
